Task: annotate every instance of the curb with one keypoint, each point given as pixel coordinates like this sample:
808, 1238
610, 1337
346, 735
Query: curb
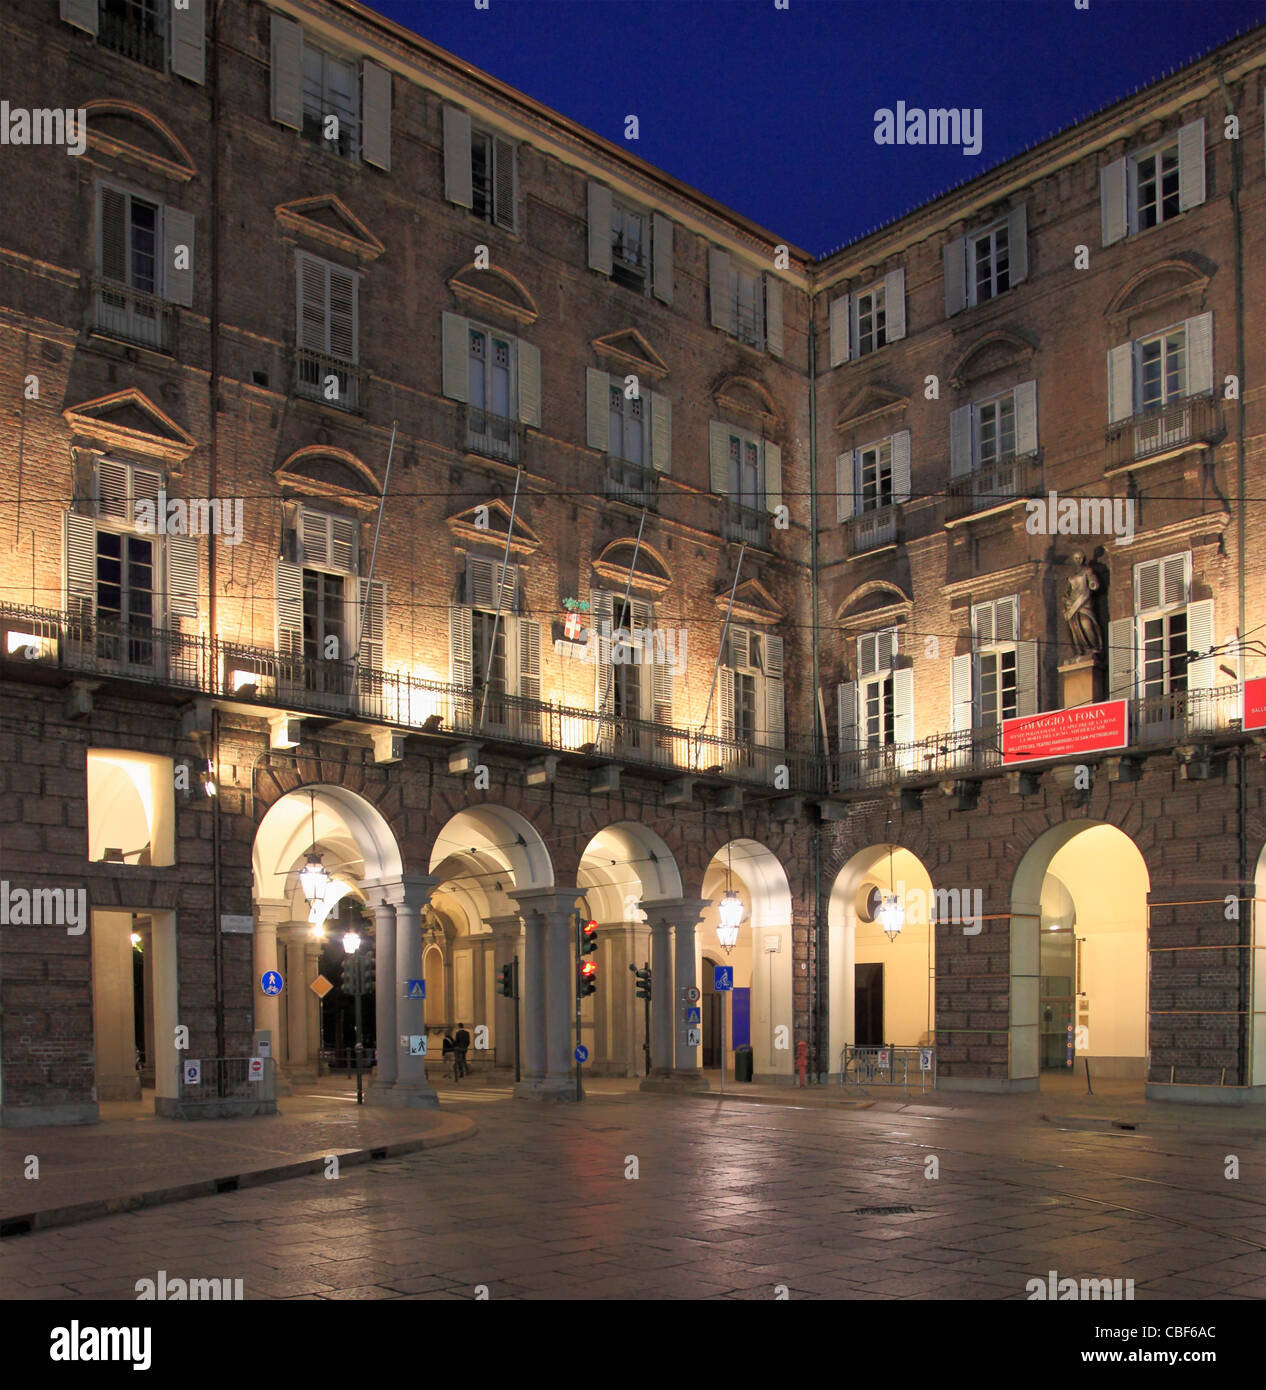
455, 1129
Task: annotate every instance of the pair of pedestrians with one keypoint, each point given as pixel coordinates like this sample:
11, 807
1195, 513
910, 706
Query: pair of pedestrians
455, 1048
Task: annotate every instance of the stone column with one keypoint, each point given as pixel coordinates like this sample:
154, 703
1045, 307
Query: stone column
311, 969
506, 935
299, 1067
147, 952
385, 972
550, 998
623, 944
661, 996
269, 915
408, 896
684, 916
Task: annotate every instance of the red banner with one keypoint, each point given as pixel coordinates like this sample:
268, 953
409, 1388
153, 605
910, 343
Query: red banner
1255, 703
1067, 733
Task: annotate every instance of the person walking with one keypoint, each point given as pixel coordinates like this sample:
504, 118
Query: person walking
461, 1042
450, 1054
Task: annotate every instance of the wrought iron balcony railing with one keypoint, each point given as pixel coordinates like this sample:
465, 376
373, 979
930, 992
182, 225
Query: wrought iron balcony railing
134, 29
132, 315
870, 530
1191, 420
330, 380
747, 525
994, 485
493, 436
633, 483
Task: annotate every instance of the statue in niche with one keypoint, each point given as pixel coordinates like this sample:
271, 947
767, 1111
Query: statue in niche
1079, 609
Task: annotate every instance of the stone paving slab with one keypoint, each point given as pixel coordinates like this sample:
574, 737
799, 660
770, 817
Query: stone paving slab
124, 1163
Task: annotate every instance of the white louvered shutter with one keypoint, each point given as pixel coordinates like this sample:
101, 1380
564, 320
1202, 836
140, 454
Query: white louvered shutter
1026, 678
112, 235
597, 410
602, 616
846, 716
1200, 355
720, 300
1120, 382
903, 705
79, 567
529, 384
960, 441
287, 72
373, 616
895, 305
901, 467
599, 227
343, 316
1112, 205
739, 656
961, 693
1201, 673
1176, 577
376, 114
867, 654
312, 327
661, 432
845, 499
461, 662
289, 589
182, 576
955, 259
189, 40
112, 491
773, 316
840, 321
773, 476
343, 544
1121, 663
81, 13
1018, 244
662, 689
1191, 165
725, 703
529, 654
456, 357
491, 585
505, 183
662, 258
178, 233
1026, 418
719, 457
773, 735
458, 180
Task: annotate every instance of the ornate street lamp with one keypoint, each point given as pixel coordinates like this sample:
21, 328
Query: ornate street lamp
730, 912
351, 942
314, 878
892, 911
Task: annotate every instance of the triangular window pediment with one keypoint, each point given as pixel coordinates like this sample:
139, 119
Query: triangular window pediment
327, 218
753, 603
129, 420
626, 350
488, 524
870, 402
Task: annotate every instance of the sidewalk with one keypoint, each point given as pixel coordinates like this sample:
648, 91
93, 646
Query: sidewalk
132, 1160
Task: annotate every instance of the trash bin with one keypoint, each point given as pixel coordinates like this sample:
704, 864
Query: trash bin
742, 1064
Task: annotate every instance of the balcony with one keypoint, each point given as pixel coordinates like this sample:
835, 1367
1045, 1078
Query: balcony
627, 482
871, 530
746, 525
134, 29
994, 485
329, 380
133, 316
1155, 433
493, 436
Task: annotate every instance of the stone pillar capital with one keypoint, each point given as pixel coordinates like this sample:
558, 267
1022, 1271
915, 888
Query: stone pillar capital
271, 913
505, 928
676, 912
410, 891
548, 902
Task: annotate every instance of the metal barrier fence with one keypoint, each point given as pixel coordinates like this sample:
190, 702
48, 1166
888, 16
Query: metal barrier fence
888, 1066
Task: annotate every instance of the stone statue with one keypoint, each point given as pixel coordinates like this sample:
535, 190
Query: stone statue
1079, 609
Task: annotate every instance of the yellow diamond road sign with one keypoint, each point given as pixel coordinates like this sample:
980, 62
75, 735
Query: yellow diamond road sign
320, 986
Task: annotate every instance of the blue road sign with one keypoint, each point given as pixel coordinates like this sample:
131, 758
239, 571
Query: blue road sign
694, 1015
270, 982
722, 977
582, 1053
416, 989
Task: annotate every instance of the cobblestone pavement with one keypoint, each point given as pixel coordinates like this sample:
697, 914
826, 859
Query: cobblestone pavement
655, 1197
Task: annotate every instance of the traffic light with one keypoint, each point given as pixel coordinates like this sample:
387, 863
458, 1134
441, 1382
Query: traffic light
587, 978
368, 968
507, 980
643, 978
589, 938
352, 976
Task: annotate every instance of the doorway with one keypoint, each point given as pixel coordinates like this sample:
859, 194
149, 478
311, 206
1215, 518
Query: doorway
713, 1003
868, 1005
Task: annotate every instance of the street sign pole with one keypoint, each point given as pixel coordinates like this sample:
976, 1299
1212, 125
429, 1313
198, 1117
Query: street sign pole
646, 1038
516, 1017
723, 1045
576, 972
360, 1086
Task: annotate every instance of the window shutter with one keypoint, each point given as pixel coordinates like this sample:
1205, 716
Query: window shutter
719, 457
599, 227
81, 13
342, 313
895, 305
529, 384
740, 649
146, 484
461, 662
1006, 619
903, 705
1201, 674
720, 296
1120, 382
182, 576
178, 230
773, 316
955, 258
110, 482
376, 114
840, 319
662, 691
846, 716
661, 432
773, 476
79, 567
1112, 201
112, 251
773, 735
1026, 678
1026, 418
1191, 165
598, 409
189, 40
1200, 355
602, 614
506, 183
982, 624
960, 441
1121, 659
961, 693
773, 655
342, 544
725, 704
458, 179
373, 616
1176, 575
1018, 243
901, 467
312, 330
529, 644
844, 486
886, 649
867, 654
287, 72
490, 585
456, 357
662, 252
314, 538
1147, 586
289, 586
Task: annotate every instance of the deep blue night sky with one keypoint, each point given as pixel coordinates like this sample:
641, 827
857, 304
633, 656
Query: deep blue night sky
772, 112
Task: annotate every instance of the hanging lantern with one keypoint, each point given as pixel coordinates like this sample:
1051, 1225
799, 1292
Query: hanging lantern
731, 914
314, 878
891, 915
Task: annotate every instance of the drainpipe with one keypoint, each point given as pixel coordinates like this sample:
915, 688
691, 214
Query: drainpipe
217, 905
819, 1014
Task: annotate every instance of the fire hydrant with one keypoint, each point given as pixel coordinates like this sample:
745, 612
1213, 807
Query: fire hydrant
802, 1060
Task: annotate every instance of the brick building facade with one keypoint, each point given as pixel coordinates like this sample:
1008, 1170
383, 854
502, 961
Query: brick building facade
701, 566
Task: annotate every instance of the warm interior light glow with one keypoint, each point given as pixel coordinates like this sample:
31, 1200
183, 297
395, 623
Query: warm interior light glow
891, 915
314, 878
730, 912
351, 942
23, 642
135, 938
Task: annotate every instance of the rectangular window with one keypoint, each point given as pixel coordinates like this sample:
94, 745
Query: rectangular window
629, 243
626, 672
1164, 653
135, 28
331, 101
745, 472
491, 428
990, 264
749, 306
324, 632
744, 707
1156, 186
125, 597
997, 695
488, 664
129, 261
995, 430
627, 438
874, 481
878, 712
871, 326
1162, 369
492, 178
